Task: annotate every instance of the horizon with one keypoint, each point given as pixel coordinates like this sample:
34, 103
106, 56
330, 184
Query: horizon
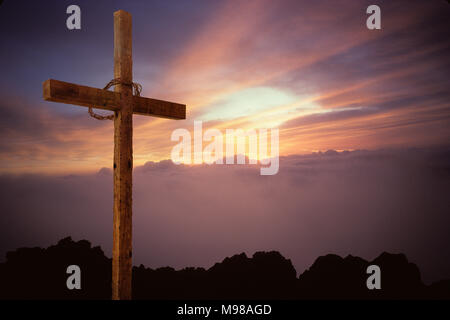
109, 169
246, 254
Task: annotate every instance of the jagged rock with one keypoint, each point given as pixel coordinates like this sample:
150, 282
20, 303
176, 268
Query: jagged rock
36, 273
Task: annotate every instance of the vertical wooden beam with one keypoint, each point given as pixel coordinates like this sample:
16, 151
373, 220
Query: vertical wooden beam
123, 159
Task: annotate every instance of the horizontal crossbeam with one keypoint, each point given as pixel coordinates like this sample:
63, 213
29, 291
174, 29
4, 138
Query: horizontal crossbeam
65, 92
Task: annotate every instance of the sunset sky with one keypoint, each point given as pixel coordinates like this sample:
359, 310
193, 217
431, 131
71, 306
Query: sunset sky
312, 69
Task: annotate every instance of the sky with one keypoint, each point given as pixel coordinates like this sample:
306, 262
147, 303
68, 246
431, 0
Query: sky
312, 69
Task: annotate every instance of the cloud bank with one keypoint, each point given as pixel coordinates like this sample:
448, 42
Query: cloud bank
359, 202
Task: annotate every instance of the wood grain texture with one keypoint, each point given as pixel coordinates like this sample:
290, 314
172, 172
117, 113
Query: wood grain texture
123, 160
70, 93
124, 105
159, 108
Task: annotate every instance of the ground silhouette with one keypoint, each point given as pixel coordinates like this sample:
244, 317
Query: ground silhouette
36, 273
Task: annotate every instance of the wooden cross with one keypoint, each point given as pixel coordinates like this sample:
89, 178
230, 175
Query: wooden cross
124, 104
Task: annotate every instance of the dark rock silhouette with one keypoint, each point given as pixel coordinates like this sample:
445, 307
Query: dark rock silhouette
333, 277
266, 275
35, 273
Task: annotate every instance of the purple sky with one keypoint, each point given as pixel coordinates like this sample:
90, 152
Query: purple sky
360, 203
310, 68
